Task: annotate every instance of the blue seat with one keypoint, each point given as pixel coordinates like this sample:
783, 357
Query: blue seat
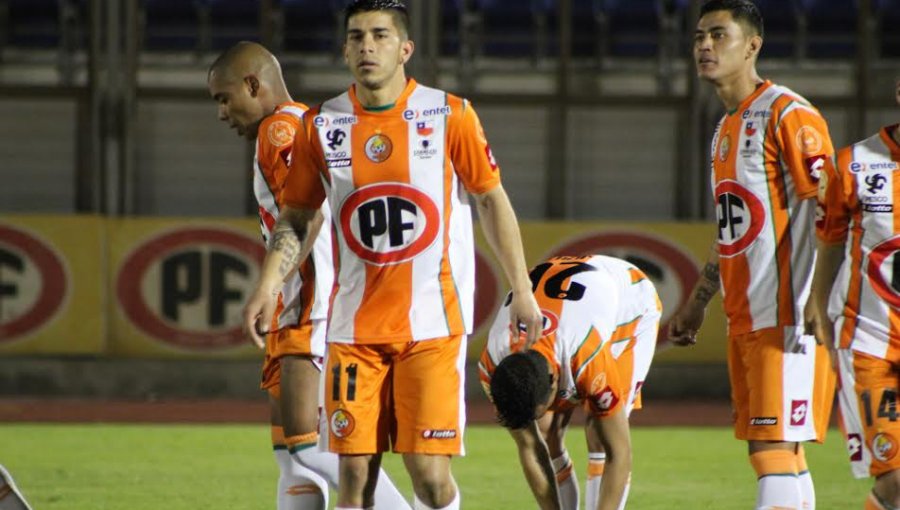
232, 21
888, 12
510, 27
313, 26
780, 27
832, 28
33, 23
171, 25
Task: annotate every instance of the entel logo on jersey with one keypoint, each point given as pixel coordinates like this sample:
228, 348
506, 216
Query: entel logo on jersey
186, 288
884, 275
33, 283
323, 120
741, 217
410, 114
857, 167
389, 223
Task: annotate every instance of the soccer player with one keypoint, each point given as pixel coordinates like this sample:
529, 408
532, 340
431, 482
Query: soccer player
10, 497
859, 234
395, 160
247, 84
601, 316
767, 154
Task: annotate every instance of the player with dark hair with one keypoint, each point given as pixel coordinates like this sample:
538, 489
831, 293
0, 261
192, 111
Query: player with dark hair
401, 165
601, 317
856, 297
767, 154
247, 83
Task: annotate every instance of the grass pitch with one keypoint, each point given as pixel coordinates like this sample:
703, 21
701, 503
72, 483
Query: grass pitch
174, 467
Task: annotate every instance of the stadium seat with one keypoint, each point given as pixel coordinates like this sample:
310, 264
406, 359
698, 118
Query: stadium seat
780, 27
231, 21
171, 25
32, 23
832, 28
888, 13
313, 26
512, 28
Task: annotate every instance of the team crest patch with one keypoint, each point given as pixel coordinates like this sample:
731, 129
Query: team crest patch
724, 147
809, 141
884, 447
379, 148
342, 423
280, 133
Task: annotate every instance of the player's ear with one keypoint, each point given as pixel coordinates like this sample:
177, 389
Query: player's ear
252, 84
754, 47
407, 48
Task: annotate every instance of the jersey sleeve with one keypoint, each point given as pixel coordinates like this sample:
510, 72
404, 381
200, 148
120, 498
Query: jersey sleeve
833, 211
274, 143
599, 381
470, 152
805, 147
303, 187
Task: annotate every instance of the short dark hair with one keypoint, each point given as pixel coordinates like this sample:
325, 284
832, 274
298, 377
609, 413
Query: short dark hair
396, 8
520, 383
743, 11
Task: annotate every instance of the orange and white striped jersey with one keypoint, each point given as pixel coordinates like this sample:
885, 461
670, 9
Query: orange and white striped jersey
860, 201
402, 224
274, 142
592, 307
766, 159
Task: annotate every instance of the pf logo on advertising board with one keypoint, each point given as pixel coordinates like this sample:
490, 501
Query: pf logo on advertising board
741, 217
884, 271
389, 223
671, 269
34, 283
186, 288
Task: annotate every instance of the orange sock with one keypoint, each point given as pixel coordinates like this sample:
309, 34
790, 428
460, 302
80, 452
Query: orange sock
278, 437
301, 441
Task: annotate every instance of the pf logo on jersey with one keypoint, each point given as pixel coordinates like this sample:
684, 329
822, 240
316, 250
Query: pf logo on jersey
741, 216
389, 223
799, 408
884, 271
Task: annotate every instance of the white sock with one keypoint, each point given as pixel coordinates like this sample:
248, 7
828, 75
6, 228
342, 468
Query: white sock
325, 464
625, 494
299, 488
387, 497
596, 463
566, 481
778, 491
807, 490
454, 505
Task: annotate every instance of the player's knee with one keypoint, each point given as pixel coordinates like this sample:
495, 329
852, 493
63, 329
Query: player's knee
887, 487
354, 471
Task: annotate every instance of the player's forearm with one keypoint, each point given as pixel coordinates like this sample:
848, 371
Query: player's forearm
314, 227
537, 467
709, 283
501, 230
828, 260
285, 249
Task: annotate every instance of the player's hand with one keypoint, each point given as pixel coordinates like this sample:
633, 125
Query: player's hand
524, 314
684, 325
258, 315
817, 324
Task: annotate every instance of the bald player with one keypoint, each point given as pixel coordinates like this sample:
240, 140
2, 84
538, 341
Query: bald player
247, 83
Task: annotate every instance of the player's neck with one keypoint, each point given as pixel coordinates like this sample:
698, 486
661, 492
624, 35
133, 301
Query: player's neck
895, 134
735, 90
382, 96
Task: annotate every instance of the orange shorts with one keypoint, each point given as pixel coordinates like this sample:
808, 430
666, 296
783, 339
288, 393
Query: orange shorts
782, 385
407, 395
869, 414
307, 340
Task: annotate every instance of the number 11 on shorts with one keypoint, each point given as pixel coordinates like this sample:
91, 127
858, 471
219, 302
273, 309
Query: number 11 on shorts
336, 382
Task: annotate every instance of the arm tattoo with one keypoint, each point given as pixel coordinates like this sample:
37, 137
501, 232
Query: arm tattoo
708, 284
286, 241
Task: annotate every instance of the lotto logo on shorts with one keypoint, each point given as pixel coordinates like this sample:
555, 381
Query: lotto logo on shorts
854, 447
439, 434
799, 409
605, 400
342, 423
763, 420
884, 447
